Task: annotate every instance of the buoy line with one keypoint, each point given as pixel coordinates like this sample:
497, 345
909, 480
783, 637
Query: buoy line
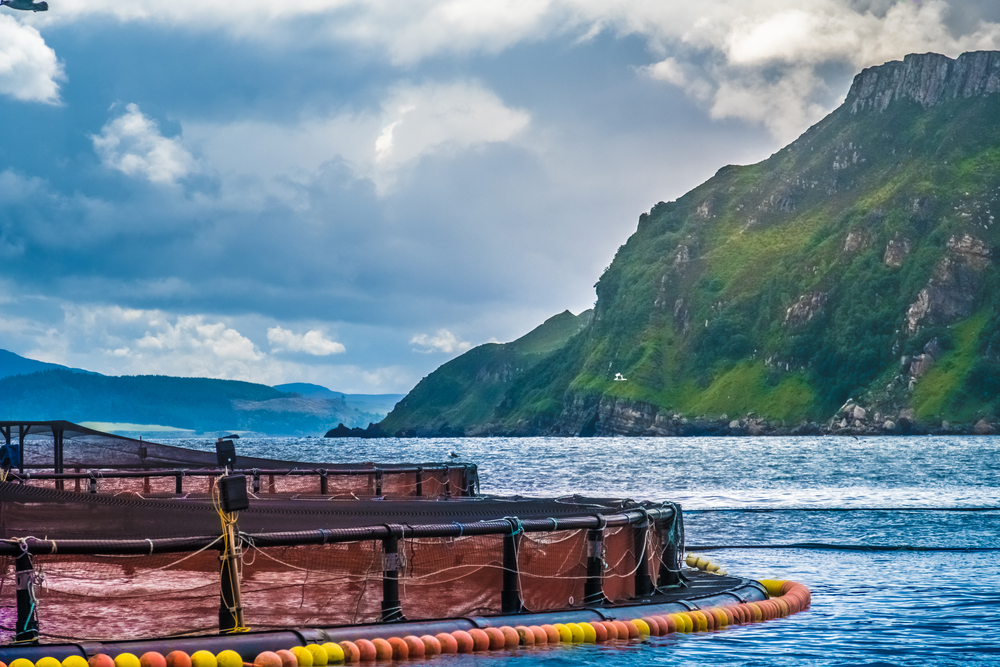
786, 597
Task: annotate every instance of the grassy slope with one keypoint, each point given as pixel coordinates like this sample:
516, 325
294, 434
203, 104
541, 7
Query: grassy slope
773, 232
465, 391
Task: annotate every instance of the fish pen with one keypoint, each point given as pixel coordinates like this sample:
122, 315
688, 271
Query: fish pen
212, 558
63, 455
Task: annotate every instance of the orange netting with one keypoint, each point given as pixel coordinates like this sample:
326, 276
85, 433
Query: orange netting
114, 597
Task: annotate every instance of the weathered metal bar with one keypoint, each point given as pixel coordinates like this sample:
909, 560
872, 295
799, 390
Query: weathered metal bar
420, 482
231, 602
593, 587
510, 595
392, 609
26, 627
673, 552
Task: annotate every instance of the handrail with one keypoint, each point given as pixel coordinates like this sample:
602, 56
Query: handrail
31, 545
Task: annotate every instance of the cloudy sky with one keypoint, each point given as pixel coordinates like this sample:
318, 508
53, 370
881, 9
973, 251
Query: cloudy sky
351, 192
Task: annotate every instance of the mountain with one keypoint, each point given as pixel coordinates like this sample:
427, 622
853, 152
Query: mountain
14, 364
191, 404
374, 403
465, 392
848, 283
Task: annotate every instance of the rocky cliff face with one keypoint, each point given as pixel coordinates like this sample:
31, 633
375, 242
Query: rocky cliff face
928, 79
848, 283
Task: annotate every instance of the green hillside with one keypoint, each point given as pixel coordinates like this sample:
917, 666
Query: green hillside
855, 265
465, 392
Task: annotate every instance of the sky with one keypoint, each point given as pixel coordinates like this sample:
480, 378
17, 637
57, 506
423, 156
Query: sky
352, 192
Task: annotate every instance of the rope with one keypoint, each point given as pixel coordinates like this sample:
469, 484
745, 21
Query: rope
840, 547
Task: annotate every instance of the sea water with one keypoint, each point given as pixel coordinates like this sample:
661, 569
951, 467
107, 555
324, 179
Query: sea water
868, 607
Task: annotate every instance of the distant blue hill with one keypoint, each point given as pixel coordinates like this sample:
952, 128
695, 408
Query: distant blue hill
370, 403
15, 364
36, 390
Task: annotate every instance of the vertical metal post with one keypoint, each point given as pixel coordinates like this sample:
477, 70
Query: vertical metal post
593, 588
20, 446
57, 436
378, 481
255, 476
231, 604
447, 481
145, 485
324, 483
76, 482
179, 482
672, 534
640, 543
270, 485
26, 627
510, 596
392, 609
420, 482
92, 484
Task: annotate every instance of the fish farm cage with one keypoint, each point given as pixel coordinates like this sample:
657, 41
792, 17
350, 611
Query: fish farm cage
61, 455
141, 541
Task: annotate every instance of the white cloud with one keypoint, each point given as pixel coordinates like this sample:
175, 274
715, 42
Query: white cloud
192, 334
733, 55
133, 145
759, 60
413, 121
29, 69
312, 342
442, 341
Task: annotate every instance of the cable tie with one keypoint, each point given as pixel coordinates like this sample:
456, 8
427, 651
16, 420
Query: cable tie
150, 546
461, 528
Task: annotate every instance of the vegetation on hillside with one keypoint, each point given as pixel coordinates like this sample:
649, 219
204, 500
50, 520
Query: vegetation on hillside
855, 263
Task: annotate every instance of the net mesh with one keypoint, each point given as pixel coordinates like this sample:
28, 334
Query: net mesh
106, 597
66, 447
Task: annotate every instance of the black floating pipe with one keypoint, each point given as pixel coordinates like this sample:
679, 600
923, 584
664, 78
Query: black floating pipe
510, 595
640, 543
26, 628
593, 588
336, 535
392, 609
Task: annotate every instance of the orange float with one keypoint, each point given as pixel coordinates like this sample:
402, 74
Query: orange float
449, 644
465, 642
383, 649
481, 640
497, 640
432, 645
511, 637
366, 650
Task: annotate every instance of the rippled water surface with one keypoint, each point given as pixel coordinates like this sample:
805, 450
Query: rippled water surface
871, 608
